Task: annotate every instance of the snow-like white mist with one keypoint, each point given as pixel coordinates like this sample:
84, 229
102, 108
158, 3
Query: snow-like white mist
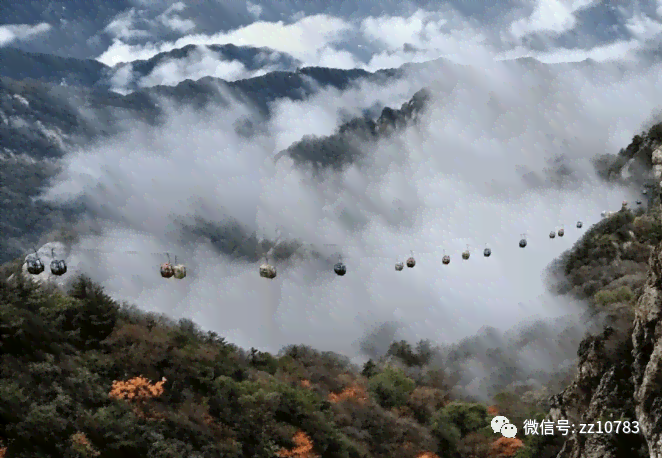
481, 166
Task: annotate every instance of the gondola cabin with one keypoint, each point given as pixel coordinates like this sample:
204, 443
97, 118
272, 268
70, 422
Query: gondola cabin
561, 232
579, 224
465, 255
552, 235
35, 266
179, 271
399, 266
411, 262
58, 267
445, 260
267, 271
167, 271
487, 252
340, 269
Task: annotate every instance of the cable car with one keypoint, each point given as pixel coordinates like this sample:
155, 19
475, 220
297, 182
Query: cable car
399, 266
522, 242
411, 262
446, 259
552, 235
604, 213
561, 232
35, 266
167, 271
58, 266
466, 254
267, 270
579, 224
340, 269
638, 202
487, 252
624, 205
179, 270
645, 191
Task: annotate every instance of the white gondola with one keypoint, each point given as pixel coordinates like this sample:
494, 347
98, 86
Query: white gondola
399, 266
523, 242
552, 235
179, 270
466, 254
579, 224
487, 252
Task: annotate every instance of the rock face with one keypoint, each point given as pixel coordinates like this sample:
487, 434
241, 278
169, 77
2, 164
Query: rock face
647, 366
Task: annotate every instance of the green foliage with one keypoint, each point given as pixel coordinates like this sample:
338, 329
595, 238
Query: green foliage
369, 369
467, 417
418, 357
655, 132
606, 297
391, 388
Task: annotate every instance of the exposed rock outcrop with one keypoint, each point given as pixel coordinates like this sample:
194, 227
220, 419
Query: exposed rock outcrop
343, 147
647, 366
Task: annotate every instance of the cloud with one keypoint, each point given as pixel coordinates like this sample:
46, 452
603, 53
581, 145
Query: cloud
424, 36
17, 32
453, 180
174, 21
123, 26
254, 9
200, 63
551, 16
310, 40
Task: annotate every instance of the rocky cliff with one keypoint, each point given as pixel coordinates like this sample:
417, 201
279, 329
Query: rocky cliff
619, 371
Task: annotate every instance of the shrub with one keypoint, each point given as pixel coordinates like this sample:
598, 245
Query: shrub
606, 297
391, 388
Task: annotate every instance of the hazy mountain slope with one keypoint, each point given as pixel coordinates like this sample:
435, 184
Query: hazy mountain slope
17, 64
41, 121
148, 72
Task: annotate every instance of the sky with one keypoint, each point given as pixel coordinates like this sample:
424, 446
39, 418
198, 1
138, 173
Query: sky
476, 170
347, 34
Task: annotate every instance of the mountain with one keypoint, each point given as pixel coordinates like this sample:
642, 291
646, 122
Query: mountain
18, 65
40, 122
252, 60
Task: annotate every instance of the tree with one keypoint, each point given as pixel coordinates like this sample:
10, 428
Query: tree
391, 388
369, 369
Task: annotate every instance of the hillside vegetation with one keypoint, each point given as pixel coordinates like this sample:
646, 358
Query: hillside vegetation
84, 376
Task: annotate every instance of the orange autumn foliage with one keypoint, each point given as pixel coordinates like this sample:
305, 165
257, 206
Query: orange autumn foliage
305, 383
303, 447
83, 444
427, 455
3, 452
505, 447
493, 411
136, 389
353, 393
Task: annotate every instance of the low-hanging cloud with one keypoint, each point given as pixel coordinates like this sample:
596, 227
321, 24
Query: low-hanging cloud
15, 32
501, 151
